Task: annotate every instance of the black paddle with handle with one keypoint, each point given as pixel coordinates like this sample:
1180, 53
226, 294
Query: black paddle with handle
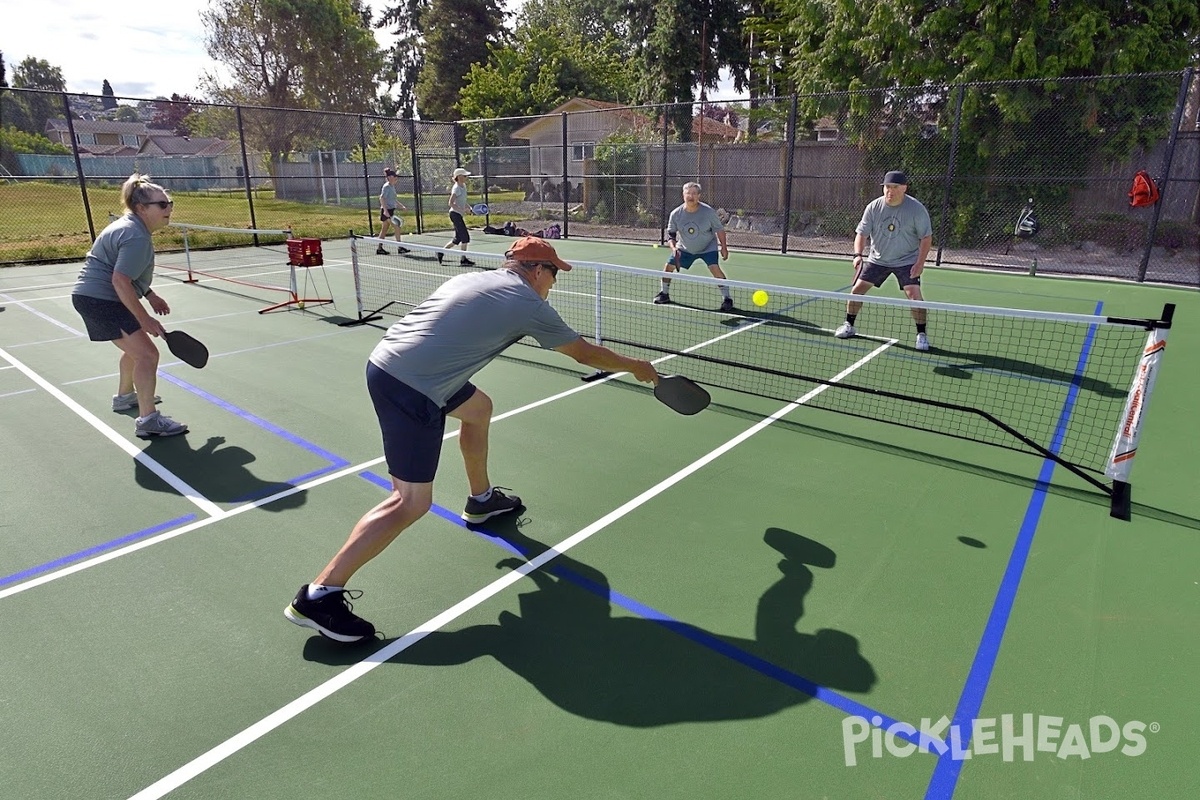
681, 394
187, 349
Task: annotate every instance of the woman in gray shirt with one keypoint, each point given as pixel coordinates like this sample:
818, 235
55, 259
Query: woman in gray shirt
108, 295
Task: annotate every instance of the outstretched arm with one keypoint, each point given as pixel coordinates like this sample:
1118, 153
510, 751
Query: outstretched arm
600, 357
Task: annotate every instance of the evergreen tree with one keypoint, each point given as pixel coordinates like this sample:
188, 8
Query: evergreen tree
108, 99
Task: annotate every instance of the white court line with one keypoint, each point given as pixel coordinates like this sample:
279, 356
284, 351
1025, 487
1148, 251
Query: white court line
162, 537
14, 394
269, 723
51, 320
139, 455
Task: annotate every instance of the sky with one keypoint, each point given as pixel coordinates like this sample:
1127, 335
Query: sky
147, 49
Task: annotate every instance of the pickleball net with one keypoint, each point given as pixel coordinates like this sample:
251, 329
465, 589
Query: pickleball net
1065, 386
252, 262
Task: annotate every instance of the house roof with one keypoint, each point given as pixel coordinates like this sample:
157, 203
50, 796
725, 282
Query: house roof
102, 126
172, 145
580, 104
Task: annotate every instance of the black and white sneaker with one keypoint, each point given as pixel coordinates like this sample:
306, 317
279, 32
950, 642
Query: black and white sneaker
465, 262
662, 298
330, 615
726, 306
499, 503
381, 250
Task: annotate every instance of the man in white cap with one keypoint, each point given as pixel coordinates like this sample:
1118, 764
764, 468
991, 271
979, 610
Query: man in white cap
418, 375
900, 232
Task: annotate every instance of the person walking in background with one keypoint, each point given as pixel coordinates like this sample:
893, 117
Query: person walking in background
458, 211
418, 375
388, 203
108, 295
900, 232
694, 230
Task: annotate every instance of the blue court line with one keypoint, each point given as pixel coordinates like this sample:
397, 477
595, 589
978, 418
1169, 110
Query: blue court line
692, 633
25, 574
945, 775
336, 462
256, 420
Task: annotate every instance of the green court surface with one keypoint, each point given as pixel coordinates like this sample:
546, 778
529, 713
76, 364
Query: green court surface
763, 600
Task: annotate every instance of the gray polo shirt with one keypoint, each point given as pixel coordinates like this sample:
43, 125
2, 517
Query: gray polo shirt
461, 327
895, 232
124, 246
697, 230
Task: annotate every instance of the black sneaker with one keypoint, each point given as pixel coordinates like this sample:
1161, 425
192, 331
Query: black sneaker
440, 256
402, 250
380, 250
498, 503
466, 262
330, 615
662, 298
726, 305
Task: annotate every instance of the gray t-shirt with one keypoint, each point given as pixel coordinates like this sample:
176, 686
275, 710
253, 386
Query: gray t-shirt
895, 232
124, 246
697, 230
458, 197
461, 327
387, 196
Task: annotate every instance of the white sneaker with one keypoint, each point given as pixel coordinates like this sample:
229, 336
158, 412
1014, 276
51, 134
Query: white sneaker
125, 402
157, 425
845, 331
922, 341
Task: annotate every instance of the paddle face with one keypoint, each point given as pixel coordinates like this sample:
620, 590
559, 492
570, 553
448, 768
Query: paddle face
188, 350
681, 394
479, 208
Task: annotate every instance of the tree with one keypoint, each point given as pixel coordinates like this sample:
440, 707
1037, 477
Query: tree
108, 97
1052, 123
35, 73
404, 59
174, 114
677, 42
543, 67
457, 34
291, 54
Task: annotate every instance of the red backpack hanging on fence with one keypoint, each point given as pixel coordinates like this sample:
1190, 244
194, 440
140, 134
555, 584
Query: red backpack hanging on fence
1144, 191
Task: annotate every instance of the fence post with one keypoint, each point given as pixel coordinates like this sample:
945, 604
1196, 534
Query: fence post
362, 148
950, 171
87, 207
566, 181
483, 170
663, 198
246, 171
789, 173
416, 171
1164, 177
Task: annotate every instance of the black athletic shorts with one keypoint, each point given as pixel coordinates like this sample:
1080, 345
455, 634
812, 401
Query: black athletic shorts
461, 234
877, 274
106, 320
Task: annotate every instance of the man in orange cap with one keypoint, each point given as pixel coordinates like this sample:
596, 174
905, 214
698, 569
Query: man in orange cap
418, 375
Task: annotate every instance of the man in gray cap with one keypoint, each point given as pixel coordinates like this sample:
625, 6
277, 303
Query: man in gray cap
900, 235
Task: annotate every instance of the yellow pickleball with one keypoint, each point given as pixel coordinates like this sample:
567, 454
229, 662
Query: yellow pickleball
760, 298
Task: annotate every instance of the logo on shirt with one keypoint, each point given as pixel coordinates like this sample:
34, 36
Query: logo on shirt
691, 230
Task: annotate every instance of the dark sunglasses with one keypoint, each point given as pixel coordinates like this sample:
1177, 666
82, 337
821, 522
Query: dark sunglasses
163, 204
553, 269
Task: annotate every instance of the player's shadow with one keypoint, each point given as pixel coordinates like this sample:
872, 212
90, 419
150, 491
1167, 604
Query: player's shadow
641, 672
220, 474
972, 362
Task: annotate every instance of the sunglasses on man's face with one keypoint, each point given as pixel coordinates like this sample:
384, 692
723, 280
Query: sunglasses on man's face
553, 270
163, 204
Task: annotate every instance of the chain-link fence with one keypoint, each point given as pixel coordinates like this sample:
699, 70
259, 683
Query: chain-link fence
787, 174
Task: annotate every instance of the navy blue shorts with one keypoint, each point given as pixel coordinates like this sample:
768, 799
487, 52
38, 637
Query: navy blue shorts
106, 320
412, 425
877, 274
686, 259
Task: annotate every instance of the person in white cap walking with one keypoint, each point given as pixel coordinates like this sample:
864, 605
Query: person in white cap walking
459, 209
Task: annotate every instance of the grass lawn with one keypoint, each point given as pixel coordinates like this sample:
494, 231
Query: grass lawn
45, 222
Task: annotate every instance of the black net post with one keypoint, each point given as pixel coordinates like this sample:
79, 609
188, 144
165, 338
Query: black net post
1164, 173
790, 171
